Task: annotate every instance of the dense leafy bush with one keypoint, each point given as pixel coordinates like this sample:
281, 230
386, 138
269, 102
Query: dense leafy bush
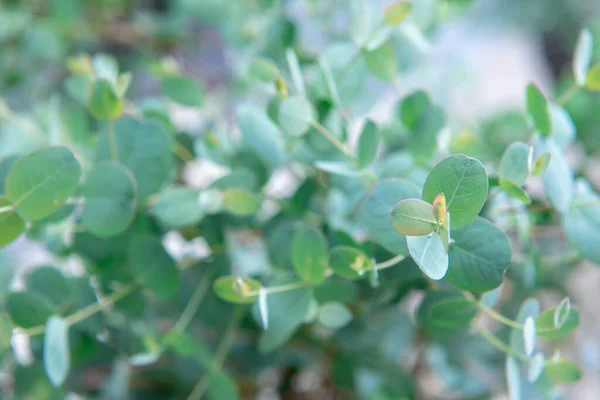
188, 284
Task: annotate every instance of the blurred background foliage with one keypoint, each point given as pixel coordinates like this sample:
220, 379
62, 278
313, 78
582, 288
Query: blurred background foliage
215, 42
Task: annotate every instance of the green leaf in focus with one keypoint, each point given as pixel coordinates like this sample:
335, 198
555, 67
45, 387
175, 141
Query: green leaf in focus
57, 356
104, 102
349, 263
377, 208
413, 217
479, 257
309, 254
40, 182
537, 107
464, 182
236, 289
110, 193
430, 254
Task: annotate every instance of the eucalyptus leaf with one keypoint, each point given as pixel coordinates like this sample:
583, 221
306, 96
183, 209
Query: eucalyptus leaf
368, 143
104, 102
537, 107
349, 263
413, 217
57, 357
179, 207
513, 166
334, 315
582, 56
12, 225
309, 254
562, 371
295, 115
464, 182
184, 91
237, 289
40, 182
430, 254
153, 266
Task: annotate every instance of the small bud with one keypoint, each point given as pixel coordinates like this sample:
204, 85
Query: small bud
439, 208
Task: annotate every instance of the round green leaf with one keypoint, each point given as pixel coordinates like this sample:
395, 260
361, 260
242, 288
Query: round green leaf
537, 107
479, 257
57, 357
582, 56
287, 311
184, 91
40, 182
12, 225
546, 329
377, 208
412, 107
240, 202
153, 266
27, 309
453, 312
309, 254
514, 166
179, 207
562, 371
381, 62
430, 254
237, 289
558, 178
51, 284
349, 263
334, 315
295, 115
464, 182
368, 143
109, 194
144, 148
261, 135
413, 217
104, 102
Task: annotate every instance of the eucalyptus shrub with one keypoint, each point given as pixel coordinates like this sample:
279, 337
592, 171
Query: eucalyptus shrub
316, 279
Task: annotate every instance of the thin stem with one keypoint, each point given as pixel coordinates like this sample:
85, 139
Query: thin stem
112, 141
566, 96
492, 313
192, 306
333, 140
497, 343
390, 263
220, 355
85, 312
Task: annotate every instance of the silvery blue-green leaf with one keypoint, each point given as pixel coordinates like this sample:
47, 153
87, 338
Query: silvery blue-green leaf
361, 21
295, 71
535, 367
582, 56
562, 313
430, 255
261, 134
513, 165
338, 168
529, 335
377, 208
479, 257
563, 128
529, 308
263, 308
57, 357
582, 224
295, 115
558, 178
513, 379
